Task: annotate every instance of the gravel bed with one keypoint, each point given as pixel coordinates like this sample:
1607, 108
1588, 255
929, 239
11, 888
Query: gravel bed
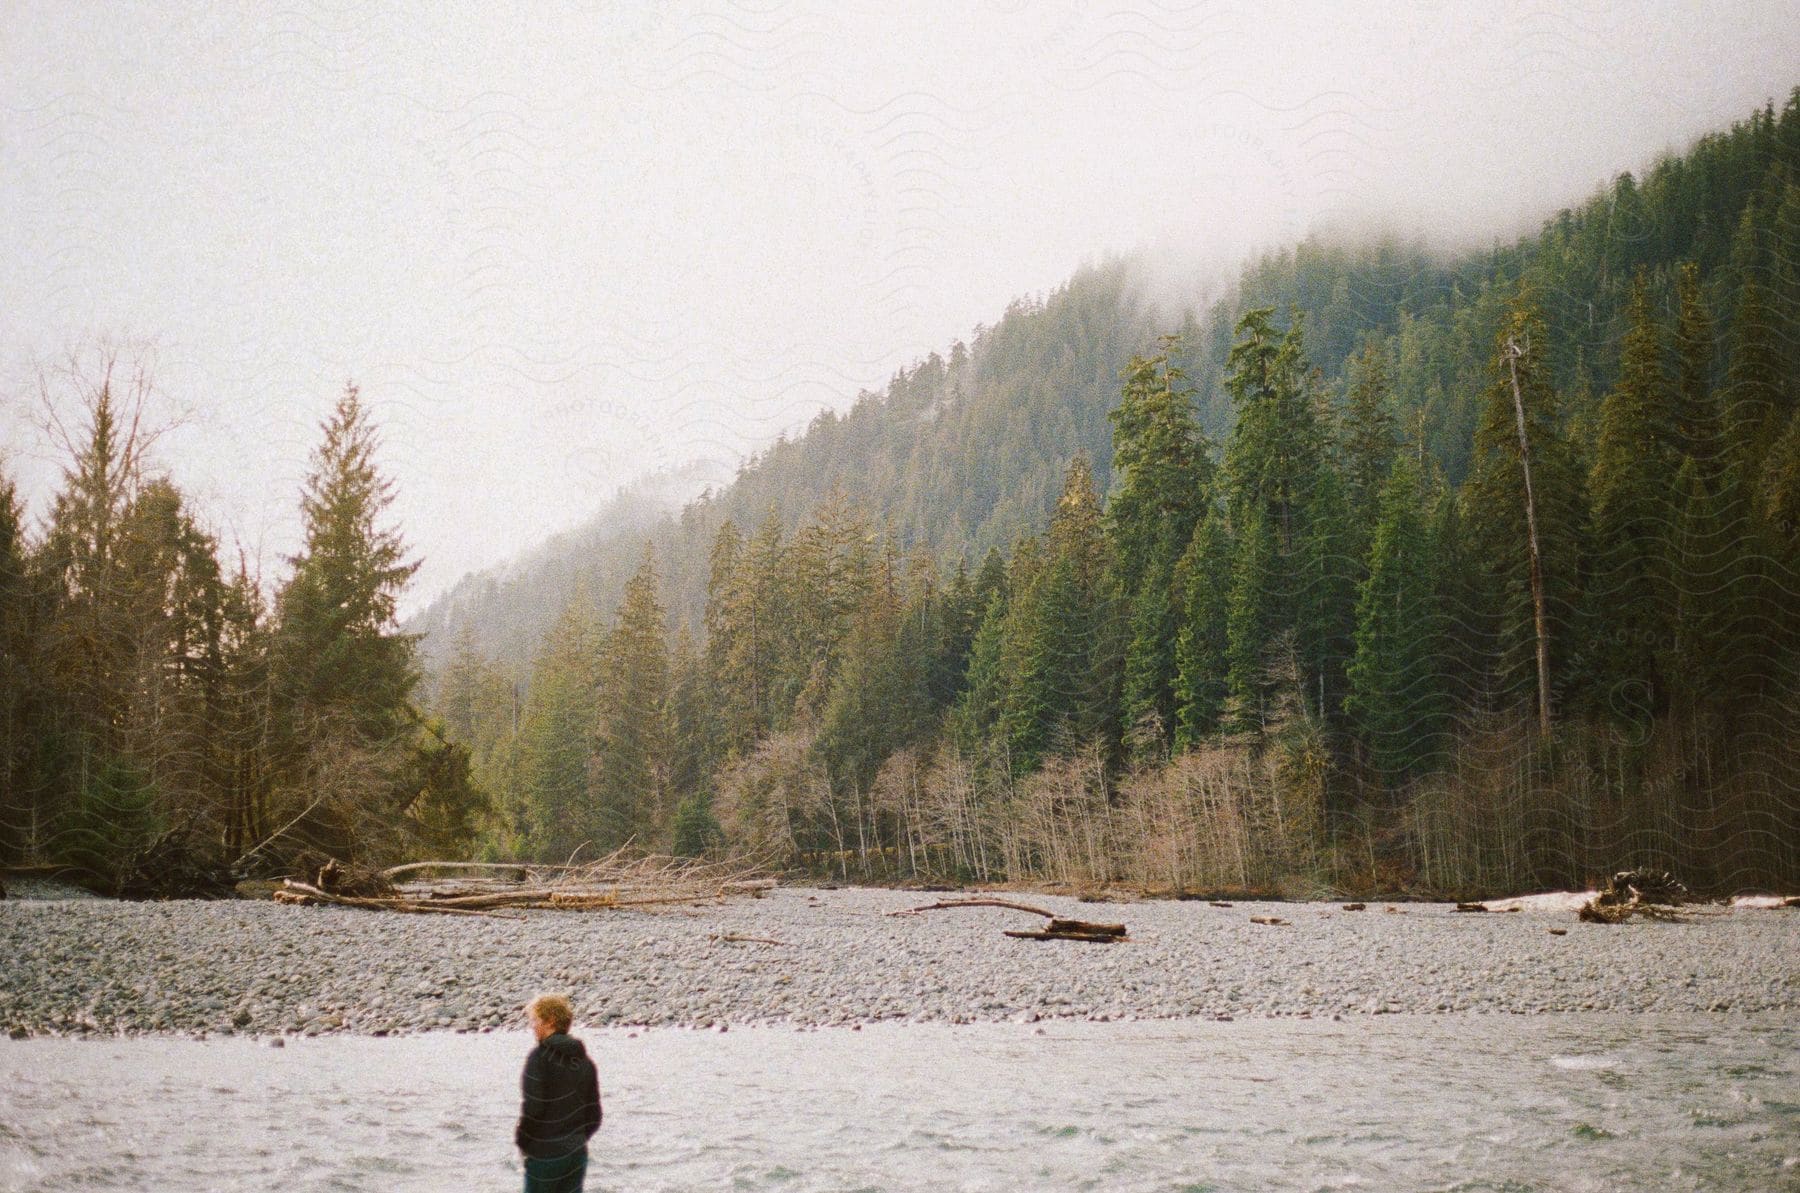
33, 886
98, 966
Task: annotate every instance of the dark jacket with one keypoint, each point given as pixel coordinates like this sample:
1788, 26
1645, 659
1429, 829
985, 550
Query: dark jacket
561, 1108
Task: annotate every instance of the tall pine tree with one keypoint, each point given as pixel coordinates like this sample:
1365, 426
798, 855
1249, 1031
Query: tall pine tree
630, 792
1396, 696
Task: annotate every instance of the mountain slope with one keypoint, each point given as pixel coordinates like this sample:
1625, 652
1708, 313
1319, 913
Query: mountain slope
966, 452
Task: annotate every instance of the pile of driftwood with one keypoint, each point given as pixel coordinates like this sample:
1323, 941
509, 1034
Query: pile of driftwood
1653, 895
1057, 929
495, 889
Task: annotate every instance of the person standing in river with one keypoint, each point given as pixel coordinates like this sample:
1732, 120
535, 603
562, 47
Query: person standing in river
561, 1107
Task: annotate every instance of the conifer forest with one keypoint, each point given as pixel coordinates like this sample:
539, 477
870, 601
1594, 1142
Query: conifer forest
1391, 570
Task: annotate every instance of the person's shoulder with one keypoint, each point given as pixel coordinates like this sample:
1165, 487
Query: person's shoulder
564, 1048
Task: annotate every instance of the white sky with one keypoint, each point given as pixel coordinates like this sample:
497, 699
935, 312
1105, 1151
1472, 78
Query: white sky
562, 247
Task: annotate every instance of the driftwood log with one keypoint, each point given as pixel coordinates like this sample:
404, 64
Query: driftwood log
1645, 894
1058, 927
503, 889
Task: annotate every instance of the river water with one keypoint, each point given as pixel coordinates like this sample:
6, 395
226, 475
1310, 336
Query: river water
1569, 1102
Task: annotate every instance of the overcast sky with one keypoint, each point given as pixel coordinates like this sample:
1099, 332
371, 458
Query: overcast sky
564, 246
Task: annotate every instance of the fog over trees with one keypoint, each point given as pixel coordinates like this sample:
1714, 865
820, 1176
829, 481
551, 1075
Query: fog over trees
1389, 570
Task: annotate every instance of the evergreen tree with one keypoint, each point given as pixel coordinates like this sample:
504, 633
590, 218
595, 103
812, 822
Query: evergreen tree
831, 569
1329, 567
749, 631
474, 699
1250, 624
1368, 442
1704, 588
243, 714
736, 715
342, 673
1063, 650
1396, 698
466, 753
128, 651
86, 656
19, 684
956, 616
337, 652
1162, 469
1697, 419
171, 613
1273, 462
1274, 453
979, 707
1755, 400
1150, 660
1634, 466
1462, 600
629, 793
1202, 660
693, 726
552, 812
1524, 505
1784, 277
867, 709
1163, 465
1780, 504
697, 830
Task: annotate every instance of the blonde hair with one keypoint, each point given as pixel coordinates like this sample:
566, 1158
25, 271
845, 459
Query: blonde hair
553, 1009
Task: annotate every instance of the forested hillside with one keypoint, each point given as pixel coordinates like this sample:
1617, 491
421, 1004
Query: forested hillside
965, 452
1390, 570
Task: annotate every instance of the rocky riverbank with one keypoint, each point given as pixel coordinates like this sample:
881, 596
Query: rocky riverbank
819, 957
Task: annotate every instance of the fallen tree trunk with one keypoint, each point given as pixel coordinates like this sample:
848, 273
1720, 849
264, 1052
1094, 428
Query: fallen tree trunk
1646, 894
305, 894
612, 882
1058, 928
1087, 926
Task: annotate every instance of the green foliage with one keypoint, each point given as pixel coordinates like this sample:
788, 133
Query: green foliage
1500, 516
1163, 481
1330, 562
1162, 469
447, 807
1634, 468
878, 700
1061, 653
113, 819
983, 698
1396, 700
1198, 666
629, 796
18, 677
1756, 398
1151, 660
693, 718
1251, 625
1368, 443
550, 810
342, 675
1273, 456
1696, 416
336, 650
697, 831
1202, 644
